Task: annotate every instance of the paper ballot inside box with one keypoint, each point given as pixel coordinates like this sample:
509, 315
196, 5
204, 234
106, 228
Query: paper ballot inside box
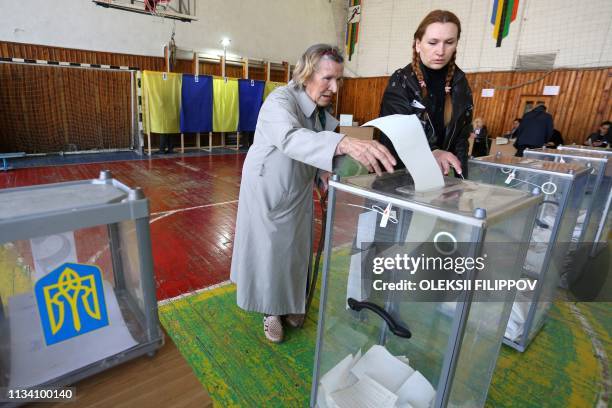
376, 379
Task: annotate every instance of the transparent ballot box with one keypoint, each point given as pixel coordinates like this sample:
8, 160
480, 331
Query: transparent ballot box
603, 229
77, 293
563, 187
597, 217
389, 335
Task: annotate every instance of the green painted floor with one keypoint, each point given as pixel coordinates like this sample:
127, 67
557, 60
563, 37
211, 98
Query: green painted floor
563, 367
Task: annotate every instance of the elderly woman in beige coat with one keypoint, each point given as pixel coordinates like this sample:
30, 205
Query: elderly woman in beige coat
294, 137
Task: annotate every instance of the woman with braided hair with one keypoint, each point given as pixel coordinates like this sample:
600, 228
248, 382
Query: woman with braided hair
436, 90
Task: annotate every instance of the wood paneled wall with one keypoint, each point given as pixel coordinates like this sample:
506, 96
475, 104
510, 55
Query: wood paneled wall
32, 51
584, 100
51, 109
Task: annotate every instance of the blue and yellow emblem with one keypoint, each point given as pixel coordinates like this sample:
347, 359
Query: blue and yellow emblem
71, 302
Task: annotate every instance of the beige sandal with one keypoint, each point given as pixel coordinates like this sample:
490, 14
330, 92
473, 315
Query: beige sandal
273, 328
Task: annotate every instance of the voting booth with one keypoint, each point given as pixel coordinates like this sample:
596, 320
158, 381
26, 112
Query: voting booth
77, 293
563, 189
380, 343
598, 195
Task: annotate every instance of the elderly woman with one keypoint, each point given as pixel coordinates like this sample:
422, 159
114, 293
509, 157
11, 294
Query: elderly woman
434, 88
294, 137
480, 135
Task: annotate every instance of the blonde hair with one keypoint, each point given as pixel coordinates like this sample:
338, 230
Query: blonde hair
309, 62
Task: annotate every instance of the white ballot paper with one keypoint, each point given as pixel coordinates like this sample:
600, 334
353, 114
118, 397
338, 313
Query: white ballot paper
410, 143
382, 367
375, 380
366, 393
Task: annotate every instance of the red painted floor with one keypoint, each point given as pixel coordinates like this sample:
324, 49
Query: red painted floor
192, 247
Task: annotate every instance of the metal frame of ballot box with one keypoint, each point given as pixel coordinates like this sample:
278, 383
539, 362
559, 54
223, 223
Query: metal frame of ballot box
461, 324
605, 224
597, 219
565, 183
99, 212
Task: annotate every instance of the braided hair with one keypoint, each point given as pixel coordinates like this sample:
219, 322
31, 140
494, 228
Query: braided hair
436, 16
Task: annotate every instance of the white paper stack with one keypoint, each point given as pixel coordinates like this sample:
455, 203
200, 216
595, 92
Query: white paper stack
375, 380
534, 260
518, 316
579, 226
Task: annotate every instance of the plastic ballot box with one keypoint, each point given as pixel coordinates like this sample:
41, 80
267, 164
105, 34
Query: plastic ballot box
417, 289
603, 229
563, 188
598, 197
77, 293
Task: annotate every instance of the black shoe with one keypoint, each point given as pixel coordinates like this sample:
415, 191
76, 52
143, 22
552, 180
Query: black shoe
159, 152
169, 152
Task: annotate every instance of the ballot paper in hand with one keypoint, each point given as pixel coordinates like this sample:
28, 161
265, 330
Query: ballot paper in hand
410, 143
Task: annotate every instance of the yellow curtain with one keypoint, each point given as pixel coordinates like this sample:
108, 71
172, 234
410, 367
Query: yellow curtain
162, 101
225, 104
270, 86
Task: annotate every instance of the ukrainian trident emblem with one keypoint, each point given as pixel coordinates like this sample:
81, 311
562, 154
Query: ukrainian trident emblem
71, 302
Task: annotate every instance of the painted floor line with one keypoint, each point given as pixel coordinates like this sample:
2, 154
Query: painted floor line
195, 292
164, 214
600, 355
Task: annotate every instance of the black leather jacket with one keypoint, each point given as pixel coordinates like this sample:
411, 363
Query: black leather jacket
403, 93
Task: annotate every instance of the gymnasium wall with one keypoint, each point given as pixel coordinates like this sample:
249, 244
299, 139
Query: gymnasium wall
49, 109
583, 102
578, 34
274, 30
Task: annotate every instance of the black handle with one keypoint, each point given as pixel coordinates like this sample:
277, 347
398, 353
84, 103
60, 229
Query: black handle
395, 328
540, 223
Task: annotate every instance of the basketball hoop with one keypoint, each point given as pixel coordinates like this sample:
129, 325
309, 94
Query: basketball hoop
151, 5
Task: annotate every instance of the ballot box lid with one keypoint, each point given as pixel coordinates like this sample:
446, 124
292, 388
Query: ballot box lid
458, 200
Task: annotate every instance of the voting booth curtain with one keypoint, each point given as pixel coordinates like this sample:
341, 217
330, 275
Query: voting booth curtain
162, 101
197, 104
185, 103
250, 96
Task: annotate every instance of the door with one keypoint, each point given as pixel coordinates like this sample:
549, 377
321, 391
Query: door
528, 102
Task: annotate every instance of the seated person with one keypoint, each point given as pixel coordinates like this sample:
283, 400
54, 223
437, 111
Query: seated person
602, 137
481, 138
511, 134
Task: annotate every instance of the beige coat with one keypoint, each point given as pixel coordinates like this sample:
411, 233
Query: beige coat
273, 239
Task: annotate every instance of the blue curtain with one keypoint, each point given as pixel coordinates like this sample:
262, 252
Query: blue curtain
250, 97
196, 104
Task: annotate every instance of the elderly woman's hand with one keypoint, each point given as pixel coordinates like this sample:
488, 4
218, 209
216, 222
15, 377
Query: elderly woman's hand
368, 153
446, 160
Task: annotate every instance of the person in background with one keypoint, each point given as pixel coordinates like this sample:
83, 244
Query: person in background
601, 138
436, 90
165, 144
481, 138
535, 130
511, 134
294, 137
555, 140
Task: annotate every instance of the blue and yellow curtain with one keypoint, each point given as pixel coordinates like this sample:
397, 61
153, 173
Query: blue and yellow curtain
270, 86
197, 104
174, 103
162, 101
225, 105
250, 97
